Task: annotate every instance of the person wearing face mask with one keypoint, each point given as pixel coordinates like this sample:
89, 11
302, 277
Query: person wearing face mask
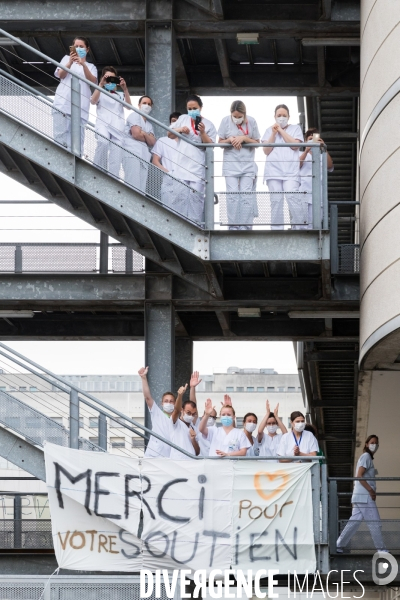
239, 167
160, 416
110, 122
306, 176
226, 440
364, 500
249, 426
164, 155
190, 160
138, 140
77, 62
183, 433
297, 442
268, 438
282, 169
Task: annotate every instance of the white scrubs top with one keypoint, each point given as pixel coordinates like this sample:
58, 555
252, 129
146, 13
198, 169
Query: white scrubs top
283, 163
166, 149
180, 436
190, 160
160, 424
231, 442
307, 443
62, 98
306, 176
110, 115
269, 444
360, 494
141, 149
238, 162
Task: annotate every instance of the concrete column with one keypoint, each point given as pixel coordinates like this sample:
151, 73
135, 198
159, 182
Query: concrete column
379, 184
183, 362
160, 59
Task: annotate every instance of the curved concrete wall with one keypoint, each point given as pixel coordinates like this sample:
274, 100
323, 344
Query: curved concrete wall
380, 182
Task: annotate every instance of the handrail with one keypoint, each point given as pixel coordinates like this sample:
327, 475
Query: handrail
363, 478
124, 417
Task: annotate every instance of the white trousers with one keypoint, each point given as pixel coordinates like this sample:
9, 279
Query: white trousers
136, 170
62, 130
108, 153
368, 512
184, 197
240, 202
297, 208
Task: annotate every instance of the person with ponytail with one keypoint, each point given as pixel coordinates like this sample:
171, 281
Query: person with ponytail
364, 499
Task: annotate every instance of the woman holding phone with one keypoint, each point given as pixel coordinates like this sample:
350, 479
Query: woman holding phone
190, 160
76, 61
110, 121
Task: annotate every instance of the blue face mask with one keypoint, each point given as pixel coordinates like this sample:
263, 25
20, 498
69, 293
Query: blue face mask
226, 421
195, 112
81, 52
110, 87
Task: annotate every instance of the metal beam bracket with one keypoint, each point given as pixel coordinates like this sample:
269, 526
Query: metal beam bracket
202, 247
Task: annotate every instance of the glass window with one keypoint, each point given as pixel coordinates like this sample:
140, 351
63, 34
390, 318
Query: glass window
33, 388
260, 389
270, 389
230, 389
97, 386
250, 389
104, 386
120, 386
94, 440
117, 442
22, 388
116, 423
281, 389
137, 442
240, 389
93, 422
3, 388
291, 389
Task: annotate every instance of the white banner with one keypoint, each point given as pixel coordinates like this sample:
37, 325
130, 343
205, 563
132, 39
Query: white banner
207, 514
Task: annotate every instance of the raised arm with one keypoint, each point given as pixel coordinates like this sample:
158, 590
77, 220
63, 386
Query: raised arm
208, 409
263, 424
145, 387
278, 420
194, 382
178, 404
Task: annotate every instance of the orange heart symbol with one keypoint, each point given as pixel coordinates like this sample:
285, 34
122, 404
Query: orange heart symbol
271, 476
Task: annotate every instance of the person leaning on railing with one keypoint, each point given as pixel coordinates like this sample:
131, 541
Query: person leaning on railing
239, 167
138, 140
226, 440
282, 169
306, 174
110, 121
364, 500
297, 442
190, 160
267, 442
250, 421
77, 62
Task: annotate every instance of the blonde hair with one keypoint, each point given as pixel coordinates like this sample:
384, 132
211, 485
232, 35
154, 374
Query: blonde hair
239, 106
230, 407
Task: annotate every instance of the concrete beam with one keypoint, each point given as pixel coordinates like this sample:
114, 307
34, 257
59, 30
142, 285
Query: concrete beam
21, 453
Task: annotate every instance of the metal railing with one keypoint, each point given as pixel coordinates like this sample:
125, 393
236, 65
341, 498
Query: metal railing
362, 532
345, 253
69, 258
192, 197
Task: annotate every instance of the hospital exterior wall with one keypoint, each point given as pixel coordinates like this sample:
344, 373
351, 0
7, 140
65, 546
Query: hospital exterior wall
379, 182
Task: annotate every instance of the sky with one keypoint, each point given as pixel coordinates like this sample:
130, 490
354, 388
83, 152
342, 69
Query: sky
49, 223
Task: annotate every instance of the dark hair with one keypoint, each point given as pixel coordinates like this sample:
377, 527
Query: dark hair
192, 404
195, 98
272, 416
296, 414
282, 106
174, 115
311, 131
366, 449
146, 96
83, 39
249, 415
105, 69
311, 429
168, 394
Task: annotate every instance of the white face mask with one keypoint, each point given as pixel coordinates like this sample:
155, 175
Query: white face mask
272, 428
210, 422
250, 427
237, 120
282, 121
373, 447
188, 418
168, 407
146, 108
299, 426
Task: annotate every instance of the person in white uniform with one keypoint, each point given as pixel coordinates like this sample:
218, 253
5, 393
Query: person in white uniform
182, 431
164, 157
138, 140
239, 167
297, 442
364, 500
76, 61
110, 122
282, 169
189, 202
268, 438
226, 440
160, 416
306, 176
249, 426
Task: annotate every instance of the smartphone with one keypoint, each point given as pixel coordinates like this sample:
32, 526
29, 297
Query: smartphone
316, 137
112, 79
196, 123
72, 50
